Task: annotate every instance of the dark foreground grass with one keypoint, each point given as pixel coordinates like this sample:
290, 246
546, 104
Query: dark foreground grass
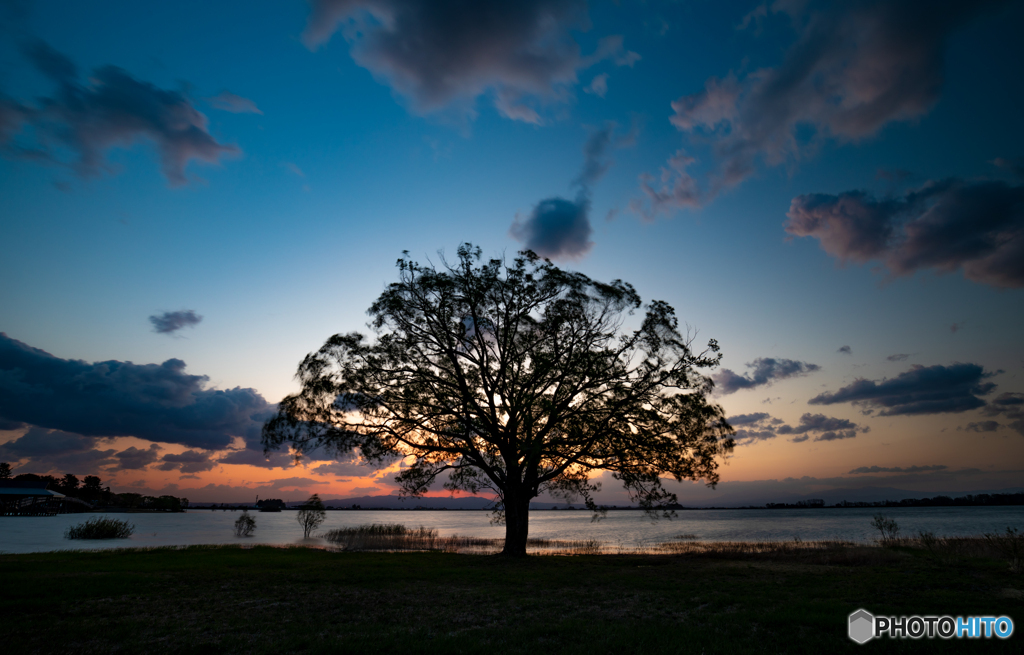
276, 600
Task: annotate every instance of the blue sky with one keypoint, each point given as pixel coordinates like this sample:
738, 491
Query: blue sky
855, 182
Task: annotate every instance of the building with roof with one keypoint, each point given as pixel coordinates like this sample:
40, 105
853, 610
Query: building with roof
32, 498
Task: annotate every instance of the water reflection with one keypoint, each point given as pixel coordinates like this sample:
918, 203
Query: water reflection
621, 530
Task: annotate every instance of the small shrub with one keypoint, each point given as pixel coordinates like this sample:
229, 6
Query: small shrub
928, 540
888, 527
1010, 545
101, 528
245, 525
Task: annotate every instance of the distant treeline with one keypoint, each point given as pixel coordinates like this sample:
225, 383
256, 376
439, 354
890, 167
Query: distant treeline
969, 500
91, 490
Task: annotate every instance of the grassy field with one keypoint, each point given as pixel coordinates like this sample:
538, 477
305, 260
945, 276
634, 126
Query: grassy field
728, 599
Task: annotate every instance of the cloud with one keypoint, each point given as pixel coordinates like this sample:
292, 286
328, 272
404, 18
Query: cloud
748, 419
236, 104
982, 426
137, 458
766, 371
294, 483
897, 175
1009, 405
6, 424
949, 225
900, 469
12, 116
761, 426
594, 163
826, 427
190, 461
171, 322
899, 357
156, 402
598, 86
1015, 166
349, 468
57, 450
443, 54
750, 428
854, 68
846, 350
921, 390
253, 456
556, 228
113, 109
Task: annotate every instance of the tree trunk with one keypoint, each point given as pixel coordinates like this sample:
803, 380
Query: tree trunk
517, 524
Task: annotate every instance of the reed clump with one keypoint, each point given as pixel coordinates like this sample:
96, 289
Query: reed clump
1010, 545
950, 550
100, 528
835, 552
397, 537
384, 536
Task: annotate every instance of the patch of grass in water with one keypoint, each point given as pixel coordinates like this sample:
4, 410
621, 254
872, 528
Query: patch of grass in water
100, 528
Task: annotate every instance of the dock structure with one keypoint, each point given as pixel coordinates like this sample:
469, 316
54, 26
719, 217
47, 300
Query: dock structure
32, 498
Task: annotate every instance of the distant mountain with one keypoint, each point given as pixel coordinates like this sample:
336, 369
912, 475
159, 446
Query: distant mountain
833, 496
394, 502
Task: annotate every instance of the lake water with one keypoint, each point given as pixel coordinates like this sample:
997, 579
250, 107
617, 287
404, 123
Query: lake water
619, 530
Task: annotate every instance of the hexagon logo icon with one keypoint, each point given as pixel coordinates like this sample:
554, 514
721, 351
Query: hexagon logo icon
862, 626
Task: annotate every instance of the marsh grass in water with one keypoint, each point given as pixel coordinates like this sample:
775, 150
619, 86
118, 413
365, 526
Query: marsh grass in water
397, 537
100, 528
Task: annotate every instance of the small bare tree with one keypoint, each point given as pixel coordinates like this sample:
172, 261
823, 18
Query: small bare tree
311, 515
889, 529
245, 525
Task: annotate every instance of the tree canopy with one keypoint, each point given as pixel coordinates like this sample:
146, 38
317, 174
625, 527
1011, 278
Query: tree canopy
516, 378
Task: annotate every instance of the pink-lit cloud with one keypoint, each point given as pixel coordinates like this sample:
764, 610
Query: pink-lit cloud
855, 67
948, 225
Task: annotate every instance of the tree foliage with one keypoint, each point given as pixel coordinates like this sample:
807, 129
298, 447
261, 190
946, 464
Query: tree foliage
68, 485
5, 471
515, 378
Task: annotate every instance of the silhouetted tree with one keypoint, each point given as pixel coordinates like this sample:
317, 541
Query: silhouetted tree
91, 489
5, 471
245, 525
68, 484
51, 482
311, 515
515, 378
129, 500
